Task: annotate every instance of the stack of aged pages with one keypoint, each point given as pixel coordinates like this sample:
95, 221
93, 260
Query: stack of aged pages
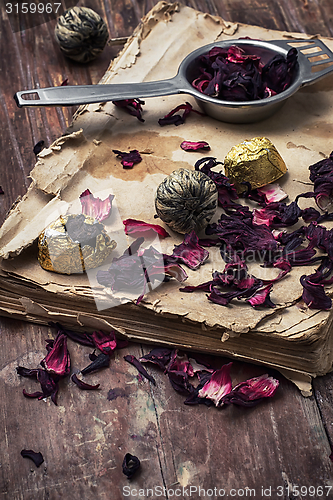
292, 338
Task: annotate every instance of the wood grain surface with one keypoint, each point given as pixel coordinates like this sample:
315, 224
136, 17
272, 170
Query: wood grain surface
267, 450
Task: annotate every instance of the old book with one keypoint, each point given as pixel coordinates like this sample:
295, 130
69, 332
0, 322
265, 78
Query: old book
290, 337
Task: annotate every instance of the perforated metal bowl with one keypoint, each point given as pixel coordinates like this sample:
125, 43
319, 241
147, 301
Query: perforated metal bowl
315, 61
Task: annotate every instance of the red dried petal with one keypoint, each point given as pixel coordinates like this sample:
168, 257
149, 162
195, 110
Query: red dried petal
95, 207
83, 385
218, 386
57, 360
137, 228
195, 146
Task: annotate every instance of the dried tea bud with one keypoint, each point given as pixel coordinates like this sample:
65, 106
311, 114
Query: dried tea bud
186, 200
73, 244
81, 34
255, 162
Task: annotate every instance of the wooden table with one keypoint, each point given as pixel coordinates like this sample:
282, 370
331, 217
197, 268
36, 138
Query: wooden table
263, 452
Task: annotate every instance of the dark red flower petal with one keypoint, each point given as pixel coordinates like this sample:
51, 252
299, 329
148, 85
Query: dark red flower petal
102, 361
195, 146
128, 160
83, 385
57, 360
136, 228
190, 252
252, 391
130, 465
159, 355
95, 207
173, 119
135, 362
105, 342
36, 457
131, 106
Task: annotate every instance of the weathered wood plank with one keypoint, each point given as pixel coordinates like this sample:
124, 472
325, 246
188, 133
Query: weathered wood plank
84, 439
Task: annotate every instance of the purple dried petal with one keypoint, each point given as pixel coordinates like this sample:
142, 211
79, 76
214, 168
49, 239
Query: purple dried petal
137, 227
128, 160
135, 362
218, 386
83, 385
48, 382
159, 355
95, 207
314, 294
131, 106
57, 360
1, 190
36, 457
27, 372
172, 119
130, 465
105, 342
252, 391
261, 297
195, 146
190, 252
102, 361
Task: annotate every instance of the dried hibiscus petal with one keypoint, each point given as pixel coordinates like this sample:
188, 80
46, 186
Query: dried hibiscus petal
36, 457
101, 361
48, 382
131, 106
314, 294
95, 207
128, 160
190, 252
135, 362
159, 355
195, 146
106, 342
130, 465
173, 119
218, 386
252, 391
83, 385
135, 228
57, 361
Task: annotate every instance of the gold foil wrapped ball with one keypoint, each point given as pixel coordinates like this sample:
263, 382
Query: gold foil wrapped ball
81, 34
256, 162
74, 244
186, 200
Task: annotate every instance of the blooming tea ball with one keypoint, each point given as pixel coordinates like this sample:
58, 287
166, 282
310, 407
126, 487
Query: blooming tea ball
186, 200
81, 34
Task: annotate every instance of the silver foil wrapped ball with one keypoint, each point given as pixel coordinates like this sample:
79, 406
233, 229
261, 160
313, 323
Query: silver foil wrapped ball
81, 34
186, 200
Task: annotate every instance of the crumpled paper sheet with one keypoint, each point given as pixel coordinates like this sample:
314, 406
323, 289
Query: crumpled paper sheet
83, 159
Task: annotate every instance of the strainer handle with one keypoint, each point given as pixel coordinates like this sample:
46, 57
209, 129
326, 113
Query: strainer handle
88, 94
315, 58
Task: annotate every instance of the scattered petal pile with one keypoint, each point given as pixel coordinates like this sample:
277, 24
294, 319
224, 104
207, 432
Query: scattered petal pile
215, 386
57, 365
243, 234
